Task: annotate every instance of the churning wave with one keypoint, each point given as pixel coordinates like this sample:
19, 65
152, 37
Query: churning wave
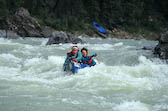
124, 79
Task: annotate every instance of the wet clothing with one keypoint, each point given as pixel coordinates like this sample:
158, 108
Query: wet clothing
88, 60
71, 56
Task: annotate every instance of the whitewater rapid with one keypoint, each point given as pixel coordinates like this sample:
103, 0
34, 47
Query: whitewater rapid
126, 78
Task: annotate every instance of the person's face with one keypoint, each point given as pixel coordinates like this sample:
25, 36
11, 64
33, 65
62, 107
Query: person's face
84, 53
75, 51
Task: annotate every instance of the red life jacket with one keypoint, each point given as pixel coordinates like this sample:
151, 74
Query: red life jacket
88, 61
74, 60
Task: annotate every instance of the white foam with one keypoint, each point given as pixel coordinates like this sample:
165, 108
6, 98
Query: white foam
5, 41
9, 60
159, 107
100, 77
132, 106
41, 65
10, 57
118, 44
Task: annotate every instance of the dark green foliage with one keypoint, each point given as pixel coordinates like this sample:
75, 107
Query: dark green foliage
77, 14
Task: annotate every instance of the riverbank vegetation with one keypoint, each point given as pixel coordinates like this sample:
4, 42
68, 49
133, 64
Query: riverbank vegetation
134, 16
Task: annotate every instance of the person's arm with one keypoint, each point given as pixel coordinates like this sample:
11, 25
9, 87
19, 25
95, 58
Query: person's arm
94, 55
66, 61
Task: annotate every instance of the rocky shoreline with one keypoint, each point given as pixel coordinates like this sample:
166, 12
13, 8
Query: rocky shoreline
21, 24
161, 50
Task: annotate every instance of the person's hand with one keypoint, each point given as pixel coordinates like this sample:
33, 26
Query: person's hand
95, 55
80, 61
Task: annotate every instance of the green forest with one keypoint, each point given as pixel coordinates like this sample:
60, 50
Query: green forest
74, 15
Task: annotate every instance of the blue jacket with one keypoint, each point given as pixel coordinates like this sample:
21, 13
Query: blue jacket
88, 60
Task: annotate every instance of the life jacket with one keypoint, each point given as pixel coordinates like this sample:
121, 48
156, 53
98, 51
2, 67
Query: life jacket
88, 61
70, 54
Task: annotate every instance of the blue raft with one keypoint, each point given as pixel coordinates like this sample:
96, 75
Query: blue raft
100, 29
76, 66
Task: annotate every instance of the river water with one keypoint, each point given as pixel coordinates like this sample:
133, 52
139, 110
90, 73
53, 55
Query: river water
125, 78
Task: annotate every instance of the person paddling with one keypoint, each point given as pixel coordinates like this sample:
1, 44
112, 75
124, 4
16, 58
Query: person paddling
73, 55
87, 59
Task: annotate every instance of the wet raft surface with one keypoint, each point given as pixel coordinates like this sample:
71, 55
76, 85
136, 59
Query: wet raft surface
31, 77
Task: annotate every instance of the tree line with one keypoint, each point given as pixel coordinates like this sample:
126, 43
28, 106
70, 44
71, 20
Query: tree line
79, 14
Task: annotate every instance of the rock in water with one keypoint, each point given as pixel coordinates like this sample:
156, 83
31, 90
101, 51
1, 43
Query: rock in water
62, 37
164, 37
162, 48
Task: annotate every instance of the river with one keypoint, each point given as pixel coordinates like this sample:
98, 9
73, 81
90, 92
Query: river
125, 78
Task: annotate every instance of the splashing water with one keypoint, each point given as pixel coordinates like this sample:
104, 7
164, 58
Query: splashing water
126, 79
